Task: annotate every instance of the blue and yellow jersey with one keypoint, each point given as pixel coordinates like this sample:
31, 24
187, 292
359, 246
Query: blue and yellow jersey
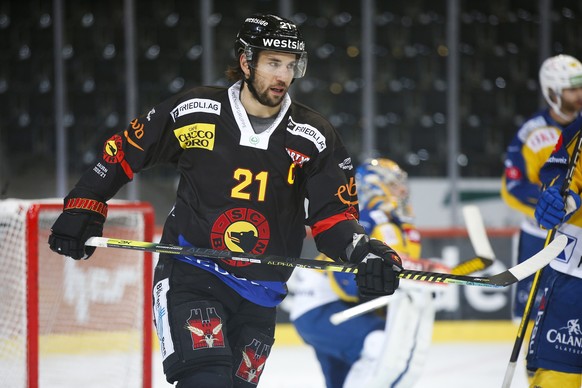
553, 173
526, 154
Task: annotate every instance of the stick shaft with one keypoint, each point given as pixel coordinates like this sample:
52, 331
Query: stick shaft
467, 267
503, 279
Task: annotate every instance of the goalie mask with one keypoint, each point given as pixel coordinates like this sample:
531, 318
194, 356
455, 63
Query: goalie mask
383, 181
270, 32
556, 74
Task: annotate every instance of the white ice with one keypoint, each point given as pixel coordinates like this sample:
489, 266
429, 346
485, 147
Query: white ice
449, 365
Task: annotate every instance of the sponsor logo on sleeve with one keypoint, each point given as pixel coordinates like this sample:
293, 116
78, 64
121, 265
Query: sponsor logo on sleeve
346, 164
150, 114
308, 132
196, 105
137, 129
347, 193
199, 135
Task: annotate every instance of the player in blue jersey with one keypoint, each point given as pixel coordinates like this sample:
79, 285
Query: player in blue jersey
248, 158
559, 76
554, 352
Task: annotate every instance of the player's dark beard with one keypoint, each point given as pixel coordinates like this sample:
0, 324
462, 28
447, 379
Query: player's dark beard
262, 98
569, 108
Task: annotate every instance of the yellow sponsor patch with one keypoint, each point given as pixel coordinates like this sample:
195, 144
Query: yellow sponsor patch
199, 135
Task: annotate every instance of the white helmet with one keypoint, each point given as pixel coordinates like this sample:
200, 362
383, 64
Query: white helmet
558, 73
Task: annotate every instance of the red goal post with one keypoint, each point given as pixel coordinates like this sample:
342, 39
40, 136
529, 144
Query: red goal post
74, 322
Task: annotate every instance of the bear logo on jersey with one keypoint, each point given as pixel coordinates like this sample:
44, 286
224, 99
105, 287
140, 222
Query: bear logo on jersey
240, 230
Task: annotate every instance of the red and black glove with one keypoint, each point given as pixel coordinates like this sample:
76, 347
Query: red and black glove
378, 266
81, 218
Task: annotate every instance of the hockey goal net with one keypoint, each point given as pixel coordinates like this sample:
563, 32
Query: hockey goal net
69, 323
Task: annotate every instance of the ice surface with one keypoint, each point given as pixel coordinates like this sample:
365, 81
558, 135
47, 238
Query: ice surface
449, 365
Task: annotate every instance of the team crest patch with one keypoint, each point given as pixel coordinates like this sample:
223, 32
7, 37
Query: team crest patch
205, 330
240, 230
113, 151
254, 356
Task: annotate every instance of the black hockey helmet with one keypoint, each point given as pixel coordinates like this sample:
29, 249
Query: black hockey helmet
274, 33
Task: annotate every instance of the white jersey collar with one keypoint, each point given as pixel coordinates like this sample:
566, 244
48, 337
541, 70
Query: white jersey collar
248, 137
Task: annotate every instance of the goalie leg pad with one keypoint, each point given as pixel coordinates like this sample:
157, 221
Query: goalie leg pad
396, 355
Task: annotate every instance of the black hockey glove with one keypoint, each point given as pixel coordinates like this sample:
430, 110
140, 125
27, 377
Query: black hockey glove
378, 269
81, 218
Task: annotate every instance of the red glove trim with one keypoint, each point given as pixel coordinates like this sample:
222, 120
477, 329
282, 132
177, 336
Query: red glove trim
327, 223
87, 204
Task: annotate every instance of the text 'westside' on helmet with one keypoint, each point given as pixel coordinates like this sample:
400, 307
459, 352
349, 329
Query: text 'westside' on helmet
273, 33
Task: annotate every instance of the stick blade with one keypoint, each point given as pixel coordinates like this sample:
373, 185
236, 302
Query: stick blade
477, 232
533, 264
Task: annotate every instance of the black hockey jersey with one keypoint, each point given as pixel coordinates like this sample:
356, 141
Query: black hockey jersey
239, 190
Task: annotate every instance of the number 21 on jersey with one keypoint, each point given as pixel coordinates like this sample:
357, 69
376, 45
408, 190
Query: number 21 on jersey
245, 179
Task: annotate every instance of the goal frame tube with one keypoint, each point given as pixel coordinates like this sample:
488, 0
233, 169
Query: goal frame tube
32, 283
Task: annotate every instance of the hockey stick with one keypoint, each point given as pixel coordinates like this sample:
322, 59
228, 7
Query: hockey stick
465, 268
477, 233
502, 279
522, 329
484, 259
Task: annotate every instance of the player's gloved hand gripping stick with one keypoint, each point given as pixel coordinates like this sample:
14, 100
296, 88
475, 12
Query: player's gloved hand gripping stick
484, 259
378, 266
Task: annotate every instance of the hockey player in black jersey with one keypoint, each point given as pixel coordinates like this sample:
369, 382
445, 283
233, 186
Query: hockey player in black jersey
248, 157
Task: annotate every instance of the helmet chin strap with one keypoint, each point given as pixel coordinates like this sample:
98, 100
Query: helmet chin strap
564, 116
556, 107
